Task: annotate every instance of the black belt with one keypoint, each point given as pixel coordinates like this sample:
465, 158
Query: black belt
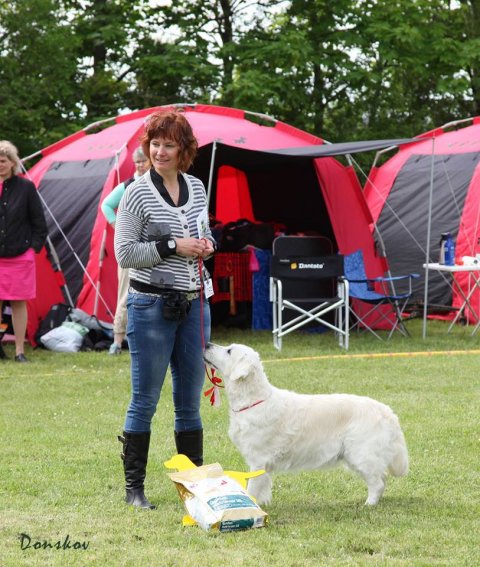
148, 289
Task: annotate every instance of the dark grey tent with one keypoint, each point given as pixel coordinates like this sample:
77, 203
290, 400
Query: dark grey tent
426, 189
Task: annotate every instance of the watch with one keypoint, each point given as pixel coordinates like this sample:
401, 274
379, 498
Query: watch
171, 243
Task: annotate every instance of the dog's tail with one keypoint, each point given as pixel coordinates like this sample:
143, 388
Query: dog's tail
399, 464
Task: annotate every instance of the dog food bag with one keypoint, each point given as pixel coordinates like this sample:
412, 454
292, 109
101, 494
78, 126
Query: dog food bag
216, 501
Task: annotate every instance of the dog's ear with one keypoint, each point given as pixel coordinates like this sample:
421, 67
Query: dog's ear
241, 369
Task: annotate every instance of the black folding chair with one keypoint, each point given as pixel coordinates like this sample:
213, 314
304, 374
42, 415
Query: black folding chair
310, 284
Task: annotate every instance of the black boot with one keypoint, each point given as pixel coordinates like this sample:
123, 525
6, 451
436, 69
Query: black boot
190, 443
135, 456
2, 352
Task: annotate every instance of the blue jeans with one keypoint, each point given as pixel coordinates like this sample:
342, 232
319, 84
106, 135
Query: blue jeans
155, 343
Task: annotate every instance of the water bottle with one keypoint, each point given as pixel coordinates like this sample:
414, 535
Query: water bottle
447, 250
450, 251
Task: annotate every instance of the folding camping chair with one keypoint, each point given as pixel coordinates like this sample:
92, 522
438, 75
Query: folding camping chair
384, 303
309, 283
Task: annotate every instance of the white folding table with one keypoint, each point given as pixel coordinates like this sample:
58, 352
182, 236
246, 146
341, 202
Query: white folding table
474, 271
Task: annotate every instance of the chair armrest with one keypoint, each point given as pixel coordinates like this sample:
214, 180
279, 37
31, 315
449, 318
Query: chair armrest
357, 281
393, 278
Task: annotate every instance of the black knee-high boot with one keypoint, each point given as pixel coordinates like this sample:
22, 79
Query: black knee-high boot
135, 456
190, 443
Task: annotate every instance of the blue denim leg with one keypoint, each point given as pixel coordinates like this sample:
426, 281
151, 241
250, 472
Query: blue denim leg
150, 340
188, 368
155, 343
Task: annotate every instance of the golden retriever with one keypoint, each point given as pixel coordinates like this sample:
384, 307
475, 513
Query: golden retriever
280, 430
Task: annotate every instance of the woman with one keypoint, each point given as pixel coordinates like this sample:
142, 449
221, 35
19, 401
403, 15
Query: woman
23, 231
109, 207
162, 236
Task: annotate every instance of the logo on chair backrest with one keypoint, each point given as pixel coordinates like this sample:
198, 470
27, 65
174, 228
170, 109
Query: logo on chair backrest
305, 266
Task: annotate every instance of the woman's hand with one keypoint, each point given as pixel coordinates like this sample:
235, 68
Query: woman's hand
196, 247
209, 249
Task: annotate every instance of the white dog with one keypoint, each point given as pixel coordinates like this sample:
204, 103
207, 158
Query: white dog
279, 430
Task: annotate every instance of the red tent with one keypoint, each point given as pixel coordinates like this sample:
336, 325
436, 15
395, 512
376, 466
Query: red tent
301, 191
447, 164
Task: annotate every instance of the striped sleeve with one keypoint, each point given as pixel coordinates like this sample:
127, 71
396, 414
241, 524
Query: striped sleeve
130, 250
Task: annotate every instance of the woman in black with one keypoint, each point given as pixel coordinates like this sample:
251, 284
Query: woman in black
23, 231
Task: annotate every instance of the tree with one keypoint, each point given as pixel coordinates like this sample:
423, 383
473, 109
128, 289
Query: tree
410, 81
38, 101
210, 32
166, 73
363, 68
470, 47
300, 66
106, 31
343, 70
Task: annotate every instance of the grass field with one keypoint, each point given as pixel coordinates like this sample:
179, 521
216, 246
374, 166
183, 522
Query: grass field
61, 474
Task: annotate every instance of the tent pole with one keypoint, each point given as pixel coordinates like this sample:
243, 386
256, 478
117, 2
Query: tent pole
427, 248
75, 255
56, 259
210, 175
101, 257
376, 231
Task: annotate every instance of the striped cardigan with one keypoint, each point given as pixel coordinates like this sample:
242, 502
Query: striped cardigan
142, 204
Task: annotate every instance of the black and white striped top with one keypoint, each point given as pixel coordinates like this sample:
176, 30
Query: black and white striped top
141, 205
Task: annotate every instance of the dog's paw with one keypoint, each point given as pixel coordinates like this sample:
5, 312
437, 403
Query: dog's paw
263, 499
260, 488
371, 501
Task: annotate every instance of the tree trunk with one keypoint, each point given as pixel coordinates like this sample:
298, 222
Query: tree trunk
473, 31
226, 34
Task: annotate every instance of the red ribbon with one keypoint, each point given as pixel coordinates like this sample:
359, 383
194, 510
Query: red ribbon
216, 383
215, 380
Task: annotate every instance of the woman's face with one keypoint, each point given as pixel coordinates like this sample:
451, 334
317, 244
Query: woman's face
164, 155
141, 166
6, 167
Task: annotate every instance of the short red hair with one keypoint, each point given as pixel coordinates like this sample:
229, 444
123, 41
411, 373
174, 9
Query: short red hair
171, 125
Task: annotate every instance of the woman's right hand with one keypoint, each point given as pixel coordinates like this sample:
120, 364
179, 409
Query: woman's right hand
190, 247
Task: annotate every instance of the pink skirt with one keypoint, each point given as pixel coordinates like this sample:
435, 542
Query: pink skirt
18, 277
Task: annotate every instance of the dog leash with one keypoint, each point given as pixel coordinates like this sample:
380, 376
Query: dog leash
214, 390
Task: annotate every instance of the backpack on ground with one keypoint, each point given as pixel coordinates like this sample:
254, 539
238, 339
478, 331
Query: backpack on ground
54, 318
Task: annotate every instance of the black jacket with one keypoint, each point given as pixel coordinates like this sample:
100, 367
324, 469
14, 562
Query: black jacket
22, 222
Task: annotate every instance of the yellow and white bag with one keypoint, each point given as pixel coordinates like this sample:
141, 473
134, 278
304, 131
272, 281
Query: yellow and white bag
216, 501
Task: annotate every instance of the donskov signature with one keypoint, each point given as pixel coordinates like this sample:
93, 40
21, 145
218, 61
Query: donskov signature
27, 542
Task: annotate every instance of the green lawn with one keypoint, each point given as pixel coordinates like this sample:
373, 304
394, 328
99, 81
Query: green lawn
61, 473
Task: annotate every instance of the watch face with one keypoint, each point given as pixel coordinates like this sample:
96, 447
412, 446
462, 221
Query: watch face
171, 243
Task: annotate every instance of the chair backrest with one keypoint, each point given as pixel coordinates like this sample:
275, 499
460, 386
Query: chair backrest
355, 270
302, 246
355, 266
306, 272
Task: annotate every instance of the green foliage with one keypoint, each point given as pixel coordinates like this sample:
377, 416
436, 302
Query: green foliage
61, 471
38, 93
106, 29
215, 29
169, 73
343, 70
